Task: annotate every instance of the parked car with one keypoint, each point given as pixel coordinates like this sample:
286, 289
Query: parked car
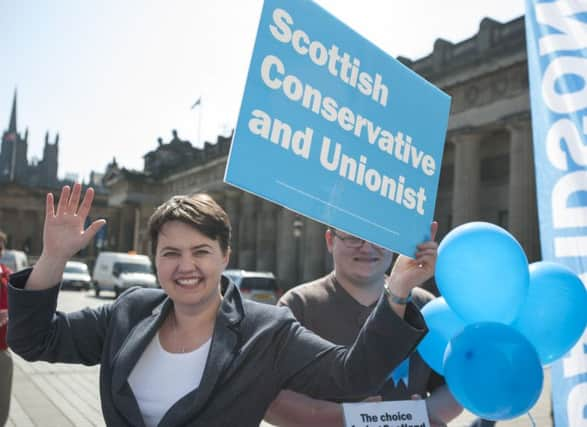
118, 271
76, 276
15, 260
259, 286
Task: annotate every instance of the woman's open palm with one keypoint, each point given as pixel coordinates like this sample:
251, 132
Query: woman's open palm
64, 234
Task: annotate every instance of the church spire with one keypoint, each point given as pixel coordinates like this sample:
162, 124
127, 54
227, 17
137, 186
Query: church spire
12, 125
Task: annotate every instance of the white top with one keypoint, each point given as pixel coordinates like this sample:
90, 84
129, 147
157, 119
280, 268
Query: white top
159, 378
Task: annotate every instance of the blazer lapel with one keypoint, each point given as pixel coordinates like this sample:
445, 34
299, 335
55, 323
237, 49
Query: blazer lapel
223, 350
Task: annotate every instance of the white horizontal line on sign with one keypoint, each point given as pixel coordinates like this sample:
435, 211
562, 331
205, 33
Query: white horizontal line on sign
297, 190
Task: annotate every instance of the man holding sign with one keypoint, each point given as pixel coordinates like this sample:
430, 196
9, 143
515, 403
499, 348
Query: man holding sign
335, 129
336, 306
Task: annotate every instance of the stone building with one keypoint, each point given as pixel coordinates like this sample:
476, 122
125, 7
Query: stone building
14, 163
487, 170
23, 186
488, 167
22, 212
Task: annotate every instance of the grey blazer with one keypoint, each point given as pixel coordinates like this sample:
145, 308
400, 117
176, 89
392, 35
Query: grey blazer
256, 351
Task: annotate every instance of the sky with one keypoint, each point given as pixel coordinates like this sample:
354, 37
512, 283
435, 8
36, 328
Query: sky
111, 76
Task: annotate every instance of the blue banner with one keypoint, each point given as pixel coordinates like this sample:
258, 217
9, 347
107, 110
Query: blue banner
332, 127
556, 33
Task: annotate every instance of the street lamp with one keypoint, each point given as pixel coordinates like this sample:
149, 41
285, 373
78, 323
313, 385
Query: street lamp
297, 225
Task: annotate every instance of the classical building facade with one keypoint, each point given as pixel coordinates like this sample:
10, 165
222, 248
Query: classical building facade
488, 167
22, 212
487, 170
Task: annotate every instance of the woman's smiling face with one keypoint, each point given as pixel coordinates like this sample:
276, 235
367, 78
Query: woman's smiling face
189, 265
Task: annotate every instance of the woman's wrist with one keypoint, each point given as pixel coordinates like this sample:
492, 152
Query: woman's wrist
47, 272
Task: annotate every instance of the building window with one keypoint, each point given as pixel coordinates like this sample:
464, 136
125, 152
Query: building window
495, 169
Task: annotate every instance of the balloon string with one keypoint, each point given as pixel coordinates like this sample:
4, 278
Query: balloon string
532, 419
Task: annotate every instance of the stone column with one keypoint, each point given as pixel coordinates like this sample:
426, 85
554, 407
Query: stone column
28, 217
232, 207
19, 234
467, 178
247, 235
266, 230
145, 210
136, 229
11, 223
313, 250
126, 230
39, 222
523, 213
286, 249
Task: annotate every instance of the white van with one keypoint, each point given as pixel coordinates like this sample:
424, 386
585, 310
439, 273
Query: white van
118, 271
15, 260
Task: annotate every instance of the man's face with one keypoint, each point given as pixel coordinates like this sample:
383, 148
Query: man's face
2, 246
356, 261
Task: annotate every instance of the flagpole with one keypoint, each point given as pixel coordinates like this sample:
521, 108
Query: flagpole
198, 103
199, 125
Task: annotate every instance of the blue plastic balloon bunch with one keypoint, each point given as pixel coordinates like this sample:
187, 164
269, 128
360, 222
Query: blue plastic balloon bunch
498, 320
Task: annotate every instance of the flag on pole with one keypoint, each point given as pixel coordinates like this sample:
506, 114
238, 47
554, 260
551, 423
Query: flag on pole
198, 102
556, 36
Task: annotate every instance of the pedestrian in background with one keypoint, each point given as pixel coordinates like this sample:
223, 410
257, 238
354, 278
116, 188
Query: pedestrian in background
5, 358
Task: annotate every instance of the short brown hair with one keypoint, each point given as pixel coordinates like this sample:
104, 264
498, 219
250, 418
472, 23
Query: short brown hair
199, 211
3, 237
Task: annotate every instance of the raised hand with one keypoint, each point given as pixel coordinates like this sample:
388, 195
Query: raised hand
408, 273
64, 234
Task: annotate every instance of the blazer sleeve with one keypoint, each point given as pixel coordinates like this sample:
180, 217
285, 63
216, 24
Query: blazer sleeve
311, 365
37, 331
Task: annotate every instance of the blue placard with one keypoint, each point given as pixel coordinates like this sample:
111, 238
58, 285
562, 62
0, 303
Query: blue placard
332, 127
556, 34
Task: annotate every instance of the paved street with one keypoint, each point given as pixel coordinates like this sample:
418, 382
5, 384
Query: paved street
56, 395
59, 395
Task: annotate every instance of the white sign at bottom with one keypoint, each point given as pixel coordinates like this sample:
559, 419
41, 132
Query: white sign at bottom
401, 413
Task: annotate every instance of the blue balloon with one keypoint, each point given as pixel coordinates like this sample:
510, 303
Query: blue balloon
482, 272
443, 324
554, 314
493, 371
